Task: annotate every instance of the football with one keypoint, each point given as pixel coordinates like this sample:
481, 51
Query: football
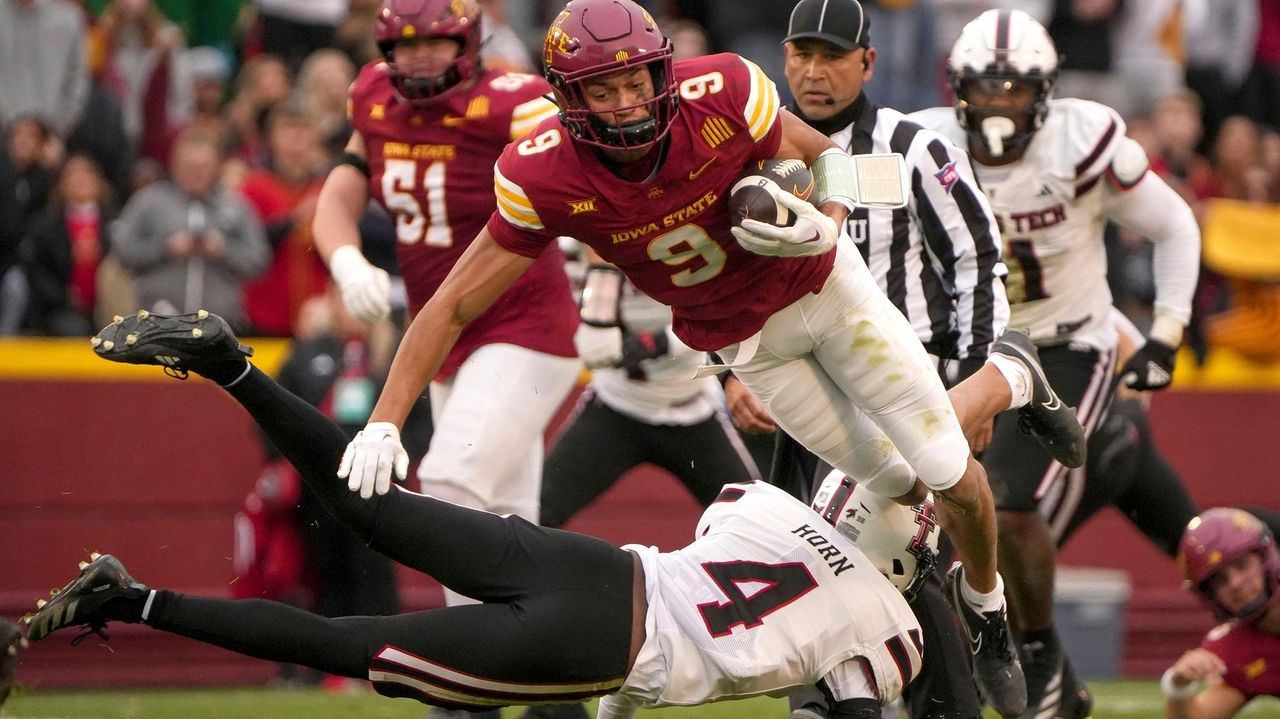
753, 195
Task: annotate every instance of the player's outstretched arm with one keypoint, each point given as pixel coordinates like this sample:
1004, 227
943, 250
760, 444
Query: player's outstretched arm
480, 276
365, 289
1183, 682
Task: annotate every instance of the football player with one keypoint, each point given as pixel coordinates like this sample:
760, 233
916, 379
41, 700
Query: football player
1055, 171
564, 616
429, 121
1229, 558
637, 166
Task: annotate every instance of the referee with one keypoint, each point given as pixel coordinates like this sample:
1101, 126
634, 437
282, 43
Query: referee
938, 261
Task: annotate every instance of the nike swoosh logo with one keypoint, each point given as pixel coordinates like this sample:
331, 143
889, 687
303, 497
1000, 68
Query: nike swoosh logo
817, 237
693, 175
1052, 406
975, 642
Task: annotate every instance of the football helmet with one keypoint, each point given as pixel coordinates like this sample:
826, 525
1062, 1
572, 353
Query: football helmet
901, 541
594, 38
457, 20
1003, 52
1215, 539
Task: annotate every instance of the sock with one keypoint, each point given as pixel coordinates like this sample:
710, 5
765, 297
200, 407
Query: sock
127, 607
1018, 377
1047, 637
268, 630
984, 602
226, 372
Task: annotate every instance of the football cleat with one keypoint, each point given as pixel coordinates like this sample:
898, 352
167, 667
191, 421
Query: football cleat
81, 602
178, 343
11, 645
1042, 666
995, 659
1045, 417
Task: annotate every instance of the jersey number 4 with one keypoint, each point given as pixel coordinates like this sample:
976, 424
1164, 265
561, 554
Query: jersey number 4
772, 587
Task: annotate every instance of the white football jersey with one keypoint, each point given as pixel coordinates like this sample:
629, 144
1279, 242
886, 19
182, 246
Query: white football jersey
669, 393
1051, 206
769, 597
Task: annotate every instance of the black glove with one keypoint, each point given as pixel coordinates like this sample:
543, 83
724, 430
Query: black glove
1151, 367
640, 346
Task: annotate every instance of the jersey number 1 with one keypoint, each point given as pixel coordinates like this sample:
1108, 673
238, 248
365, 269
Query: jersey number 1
782, 585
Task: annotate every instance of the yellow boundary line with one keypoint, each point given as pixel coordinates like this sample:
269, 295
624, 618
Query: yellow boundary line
71, 360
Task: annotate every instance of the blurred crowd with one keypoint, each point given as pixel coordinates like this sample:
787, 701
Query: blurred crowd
168, 153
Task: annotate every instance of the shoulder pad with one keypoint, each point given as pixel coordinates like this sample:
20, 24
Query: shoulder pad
1129, 164
1085, 136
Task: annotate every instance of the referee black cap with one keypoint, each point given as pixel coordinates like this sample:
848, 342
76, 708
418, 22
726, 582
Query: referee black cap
839, 22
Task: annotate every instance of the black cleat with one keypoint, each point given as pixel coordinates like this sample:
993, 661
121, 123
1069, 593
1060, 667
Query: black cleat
11, 645
81, 602
995, 660
1077, 701
1046, 417
176, 342
1042, 666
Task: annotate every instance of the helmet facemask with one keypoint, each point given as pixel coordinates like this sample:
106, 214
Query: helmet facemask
591, 127
430, 20
1006, 128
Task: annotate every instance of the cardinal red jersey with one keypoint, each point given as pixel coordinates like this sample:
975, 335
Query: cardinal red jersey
1252, 658
432, 168
669, 233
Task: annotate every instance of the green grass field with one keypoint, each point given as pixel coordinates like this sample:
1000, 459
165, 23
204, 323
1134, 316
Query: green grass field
1125, 699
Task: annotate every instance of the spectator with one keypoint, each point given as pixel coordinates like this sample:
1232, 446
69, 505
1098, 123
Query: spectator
502, 48
322, 88
209, 70
262, 82
188, 240
284, 192
142, 66
293, 29
13, 284
1220, 40
688, 39
1260, 96
68, 240
43, 70
36, 154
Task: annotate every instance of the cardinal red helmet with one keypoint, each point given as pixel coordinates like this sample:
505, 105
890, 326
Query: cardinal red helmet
1215, 539
594, 38
457, 20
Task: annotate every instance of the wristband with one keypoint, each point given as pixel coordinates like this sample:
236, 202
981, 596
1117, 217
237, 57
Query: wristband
833, 179
1177, 693
601, 296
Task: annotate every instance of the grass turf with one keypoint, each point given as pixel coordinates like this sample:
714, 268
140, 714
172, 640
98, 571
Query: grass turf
1125, 699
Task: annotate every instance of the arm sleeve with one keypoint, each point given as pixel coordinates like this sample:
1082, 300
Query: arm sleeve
1152, 209
616, 706
961, 235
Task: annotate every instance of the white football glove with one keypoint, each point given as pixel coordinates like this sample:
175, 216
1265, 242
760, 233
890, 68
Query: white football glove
812, 234
366, 289
598, 346
370, 458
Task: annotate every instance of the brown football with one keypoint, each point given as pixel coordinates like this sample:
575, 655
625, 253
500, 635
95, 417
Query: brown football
752, 195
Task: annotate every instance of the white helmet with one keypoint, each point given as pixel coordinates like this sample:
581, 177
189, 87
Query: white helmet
997, 51
901, 541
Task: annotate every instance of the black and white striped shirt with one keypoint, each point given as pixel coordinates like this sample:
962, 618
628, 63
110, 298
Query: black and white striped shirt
938, 259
